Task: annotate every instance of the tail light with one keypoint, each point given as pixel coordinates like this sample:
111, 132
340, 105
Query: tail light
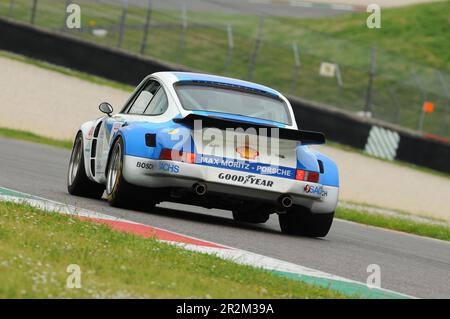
174, 155
302, 175
313, 177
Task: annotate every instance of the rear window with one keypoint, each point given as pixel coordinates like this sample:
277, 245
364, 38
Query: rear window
229, 100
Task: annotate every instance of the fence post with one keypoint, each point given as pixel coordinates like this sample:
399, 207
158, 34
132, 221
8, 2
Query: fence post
184, 25
33, 12
147, 27
340, 84
296, 69
393, 97
123, 18
11, 8
369, 93
258, 40
230, 49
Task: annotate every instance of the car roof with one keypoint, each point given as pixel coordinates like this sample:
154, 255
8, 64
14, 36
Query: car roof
201, 77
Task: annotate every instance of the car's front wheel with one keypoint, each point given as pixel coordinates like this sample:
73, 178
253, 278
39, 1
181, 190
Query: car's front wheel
119, 192
301, 221
77, 181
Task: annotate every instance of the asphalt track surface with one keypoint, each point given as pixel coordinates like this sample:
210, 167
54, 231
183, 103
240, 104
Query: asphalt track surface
409, 264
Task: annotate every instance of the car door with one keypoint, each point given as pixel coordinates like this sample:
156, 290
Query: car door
149, 100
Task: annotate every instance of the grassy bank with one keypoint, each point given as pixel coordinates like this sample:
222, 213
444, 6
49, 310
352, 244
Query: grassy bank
418, 32
36, 248
395, 223
31, 137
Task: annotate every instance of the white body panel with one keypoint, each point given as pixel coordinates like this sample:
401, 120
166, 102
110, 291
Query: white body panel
155, 174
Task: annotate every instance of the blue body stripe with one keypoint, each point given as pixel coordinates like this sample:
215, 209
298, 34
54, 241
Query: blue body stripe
244, 166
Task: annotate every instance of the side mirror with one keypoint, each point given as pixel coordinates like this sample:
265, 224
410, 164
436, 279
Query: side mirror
106, 108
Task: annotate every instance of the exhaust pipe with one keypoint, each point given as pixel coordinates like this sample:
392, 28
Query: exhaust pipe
286, 201
199, 189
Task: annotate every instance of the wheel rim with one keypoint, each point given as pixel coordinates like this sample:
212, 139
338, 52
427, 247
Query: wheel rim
75, 161
114, 169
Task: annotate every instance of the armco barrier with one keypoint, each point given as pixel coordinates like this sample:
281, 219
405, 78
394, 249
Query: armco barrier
124, 67
77, 54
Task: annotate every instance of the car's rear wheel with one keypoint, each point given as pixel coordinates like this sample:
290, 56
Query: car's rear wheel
250, 216
300, 221
77, 181
119, 192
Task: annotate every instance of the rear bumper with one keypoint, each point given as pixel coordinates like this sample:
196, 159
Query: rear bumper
158, 174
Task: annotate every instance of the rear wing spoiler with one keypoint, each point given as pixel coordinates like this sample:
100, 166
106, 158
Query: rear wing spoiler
305, 137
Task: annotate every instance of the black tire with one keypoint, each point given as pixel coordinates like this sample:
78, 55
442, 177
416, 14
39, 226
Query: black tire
78, 183
119, 192
300, 221
254, 217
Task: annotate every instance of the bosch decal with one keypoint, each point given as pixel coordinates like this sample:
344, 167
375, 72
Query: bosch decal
148, 166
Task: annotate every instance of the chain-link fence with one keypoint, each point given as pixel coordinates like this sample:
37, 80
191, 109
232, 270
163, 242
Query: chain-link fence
356, 78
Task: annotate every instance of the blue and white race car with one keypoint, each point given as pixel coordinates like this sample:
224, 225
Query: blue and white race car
209, 141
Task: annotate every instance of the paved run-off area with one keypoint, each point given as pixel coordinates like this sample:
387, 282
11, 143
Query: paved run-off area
52, 104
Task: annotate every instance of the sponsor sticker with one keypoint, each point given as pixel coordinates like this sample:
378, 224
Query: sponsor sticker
312, 189
168, 167
148, 166
247, 152
116, 127
246, 180
255, 168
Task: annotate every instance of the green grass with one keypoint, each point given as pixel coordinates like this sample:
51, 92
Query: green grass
36, 247
31, 137
419, 32
395, 223
411, 39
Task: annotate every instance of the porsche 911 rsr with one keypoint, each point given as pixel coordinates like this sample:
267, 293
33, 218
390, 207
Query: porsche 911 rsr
208, 141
